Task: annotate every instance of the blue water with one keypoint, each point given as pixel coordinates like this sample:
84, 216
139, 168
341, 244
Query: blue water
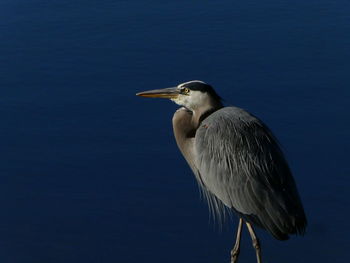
91, 173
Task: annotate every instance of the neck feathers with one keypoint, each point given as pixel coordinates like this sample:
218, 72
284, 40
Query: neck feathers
202, 112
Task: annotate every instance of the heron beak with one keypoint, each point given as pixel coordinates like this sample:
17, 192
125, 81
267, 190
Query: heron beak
168, 93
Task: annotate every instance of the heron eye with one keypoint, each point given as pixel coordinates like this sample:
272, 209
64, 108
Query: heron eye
186, 90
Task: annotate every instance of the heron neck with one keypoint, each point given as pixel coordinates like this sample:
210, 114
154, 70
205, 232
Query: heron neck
185, 124
202, 112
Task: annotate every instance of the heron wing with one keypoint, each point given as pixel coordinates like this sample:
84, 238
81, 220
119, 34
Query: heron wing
241, 164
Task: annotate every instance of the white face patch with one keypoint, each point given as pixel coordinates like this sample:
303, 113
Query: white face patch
192, 100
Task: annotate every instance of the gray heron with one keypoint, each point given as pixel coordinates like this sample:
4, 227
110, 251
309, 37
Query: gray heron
236, 161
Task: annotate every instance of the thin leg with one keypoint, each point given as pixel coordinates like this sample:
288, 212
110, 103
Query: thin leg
235, 250
256, 243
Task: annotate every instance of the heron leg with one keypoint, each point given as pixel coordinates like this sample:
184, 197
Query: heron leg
235, 250
256, 243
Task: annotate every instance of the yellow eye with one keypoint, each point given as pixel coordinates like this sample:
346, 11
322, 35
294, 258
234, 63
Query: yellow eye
186, 90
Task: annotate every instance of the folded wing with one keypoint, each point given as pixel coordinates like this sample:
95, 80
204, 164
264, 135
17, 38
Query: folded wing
240, 163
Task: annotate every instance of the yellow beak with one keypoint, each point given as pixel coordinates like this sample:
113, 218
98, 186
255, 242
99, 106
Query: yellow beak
168, 93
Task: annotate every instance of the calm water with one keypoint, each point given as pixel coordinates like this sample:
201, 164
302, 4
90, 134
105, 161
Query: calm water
91, 173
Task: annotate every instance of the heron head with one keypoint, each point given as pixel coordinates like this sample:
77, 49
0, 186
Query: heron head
192, 95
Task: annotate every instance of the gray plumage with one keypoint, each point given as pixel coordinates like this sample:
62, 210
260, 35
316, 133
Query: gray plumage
239, 162
236, 161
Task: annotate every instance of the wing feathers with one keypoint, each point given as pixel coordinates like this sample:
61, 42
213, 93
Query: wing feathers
241, 164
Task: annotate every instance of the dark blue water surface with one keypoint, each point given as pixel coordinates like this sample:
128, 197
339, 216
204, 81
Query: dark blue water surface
91, 173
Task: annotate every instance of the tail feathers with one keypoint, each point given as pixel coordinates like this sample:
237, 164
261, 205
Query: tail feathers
279, 227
